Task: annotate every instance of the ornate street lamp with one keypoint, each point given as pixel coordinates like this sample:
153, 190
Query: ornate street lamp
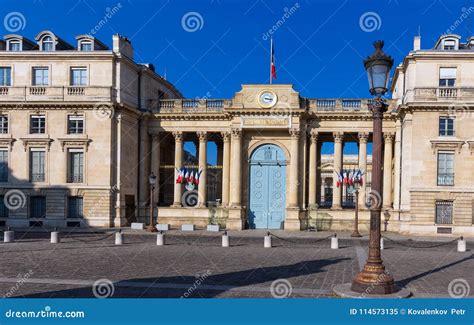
152, 181
373, 279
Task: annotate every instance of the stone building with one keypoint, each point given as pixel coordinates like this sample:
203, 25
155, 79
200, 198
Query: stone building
83, 126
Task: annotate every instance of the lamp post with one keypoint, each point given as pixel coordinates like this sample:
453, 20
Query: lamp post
152, 181
373, 279
354, 188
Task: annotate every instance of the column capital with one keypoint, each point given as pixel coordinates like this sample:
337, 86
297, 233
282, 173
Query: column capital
338, 136
295, 133
388, 137
236, 133
313, 135
363, 137
178, 135
225, 136
202, 135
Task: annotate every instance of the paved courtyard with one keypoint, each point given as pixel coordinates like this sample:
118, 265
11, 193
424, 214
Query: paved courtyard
195, 265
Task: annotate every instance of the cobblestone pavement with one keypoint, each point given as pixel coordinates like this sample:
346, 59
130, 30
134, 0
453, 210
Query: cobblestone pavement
194, 265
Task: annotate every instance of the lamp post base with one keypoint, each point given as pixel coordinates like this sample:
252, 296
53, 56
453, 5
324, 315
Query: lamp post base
344, 291
151, 228
356, 234
373, 280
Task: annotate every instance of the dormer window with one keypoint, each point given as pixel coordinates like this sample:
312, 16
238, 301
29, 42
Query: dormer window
85, 46
47, 44
14, 46
449, 45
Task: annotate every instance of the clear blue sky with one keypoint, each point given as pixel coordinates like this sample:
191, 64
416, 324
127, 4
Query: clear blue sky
318, 48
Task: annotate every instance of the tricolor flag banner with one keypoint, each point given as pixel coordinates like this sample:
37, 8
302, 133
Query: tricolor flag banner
273, 74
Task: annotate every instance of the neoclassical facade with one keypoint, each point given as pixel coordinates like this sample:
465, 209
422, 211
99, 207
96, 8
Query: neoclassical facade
82, 128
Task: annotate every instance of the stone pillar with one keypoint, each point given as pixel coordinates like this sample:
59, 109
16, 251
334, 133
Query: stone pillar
363, 139
143, 171
396, 176
236, 168
337, 191
226, 169
178, 163
202, 187
155, 165
387, 171
294, 161
313, 165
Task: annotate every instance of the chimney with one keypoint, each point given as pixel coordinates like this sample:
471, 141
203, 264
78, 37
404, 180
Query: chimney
417, 43
122, 45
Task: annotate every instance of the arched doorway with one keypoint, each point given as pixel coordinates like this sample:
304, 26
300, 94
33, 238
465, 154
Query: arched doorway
267, 195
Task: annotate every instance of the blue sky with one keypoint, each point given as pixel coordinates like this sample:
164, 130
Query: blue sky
319, 47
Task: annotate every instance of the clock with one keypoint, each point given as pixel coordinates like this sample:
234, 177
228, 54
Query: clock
267, 98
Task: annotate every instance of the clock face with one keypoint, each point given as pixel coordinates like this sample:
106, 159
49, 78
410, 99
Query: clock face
267, 98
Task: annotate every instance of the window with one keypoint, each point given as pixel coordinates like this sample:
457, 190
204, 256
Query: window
3, 124
445, 169
75, 207
14, 46
85, 46
37, 166
47, 44
76, 166
75, 124
37, 207
40, 76
3, 208
447, 77
444, 212
37, 124
5, 76
449, 45
78, 76
3, 165
446, 126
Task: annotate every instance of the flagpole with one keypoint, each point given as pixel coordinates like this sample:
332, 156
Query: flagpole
271, 48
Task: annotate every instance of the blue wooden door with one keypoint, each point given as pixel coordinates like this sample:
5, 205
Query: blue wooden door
267, 181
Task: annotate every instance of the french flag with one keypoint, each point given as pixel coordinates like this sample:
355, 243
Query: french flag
273, 74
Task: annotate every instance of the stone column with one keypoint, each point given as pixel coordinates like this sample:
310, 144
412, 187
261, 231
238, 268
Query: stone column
337, 191
155, 165
226, 169
143, 171
202, 187
313, 165
363, 139
178, 163
236, 168
397, 155
387, 171
294, 160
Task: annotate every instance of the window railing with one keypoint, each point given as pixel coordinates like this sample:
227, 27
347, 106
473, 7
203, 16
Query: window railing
37, 177
75, 178
348, 202
446, 179
325, 202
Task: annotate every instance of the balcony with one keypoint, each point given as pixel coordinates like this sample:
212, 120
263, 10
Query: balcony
341, 105
190, 106
446, 179
63, 94
440, 94
37, 177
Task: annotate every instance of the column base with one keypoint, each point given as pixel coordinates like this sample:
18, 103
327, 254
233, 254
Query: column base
373, 280
235, 220
293, 221
336, 207
201, 205
176, 205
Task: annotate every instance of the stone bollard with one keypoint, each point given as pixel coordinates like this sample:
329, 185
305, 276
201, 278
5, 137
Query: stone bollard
267, 241
334, 242
119, 238
461, 245
381, 243
160, 239
55, 239
225, 240
9, 236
